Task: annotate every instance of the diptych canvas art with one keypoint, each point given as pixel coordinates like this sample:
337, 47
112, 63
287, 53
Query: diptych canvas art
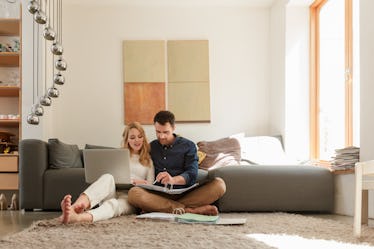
172, 75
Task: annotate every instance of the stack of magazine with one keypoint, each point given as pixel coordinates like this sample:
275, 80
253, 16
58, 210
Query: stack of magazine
345, 158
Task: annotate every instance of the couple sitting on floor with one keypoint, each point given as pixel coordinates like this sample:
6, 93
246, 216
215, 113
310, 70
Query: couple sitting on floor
168, 160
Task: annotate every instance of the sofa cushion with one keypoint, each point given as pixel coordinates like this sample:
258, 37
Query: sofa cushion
59, 182
62, 155
276, 188
202, 176
264, 150
221, 152
92, 146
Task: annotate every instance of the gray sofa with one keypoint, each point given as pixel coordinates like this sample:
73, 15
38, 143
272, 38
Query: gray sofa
41, 187
249, 187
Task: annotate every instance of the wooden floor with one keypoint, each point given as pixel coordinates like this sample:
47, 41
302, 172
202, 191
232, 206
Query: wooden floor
16, 221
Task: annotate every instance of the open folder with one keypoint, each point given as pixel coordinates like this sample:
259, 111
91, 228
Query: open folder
166, 189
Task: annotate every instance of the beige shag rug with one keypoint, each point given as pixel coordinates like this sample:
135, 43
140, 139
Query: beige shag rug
262, 230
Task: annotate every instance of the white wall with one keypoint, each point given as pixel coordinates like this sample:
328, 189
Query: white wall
367, 79
367, 86
296, 99
90, 108
289, 75
248, 70
277, 68
345, 184
29, 86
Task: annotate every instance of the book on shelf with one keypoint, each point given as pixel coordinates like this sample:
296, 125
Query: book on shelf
166, 189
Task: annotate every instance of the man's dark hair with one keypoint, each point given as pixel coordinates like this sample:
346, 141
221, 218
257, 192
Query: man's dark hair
163, 117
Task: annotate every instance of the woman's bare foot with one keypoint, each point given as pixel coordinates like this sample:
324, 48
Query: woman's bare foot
206, 210
78, 207
81, 204
69, 213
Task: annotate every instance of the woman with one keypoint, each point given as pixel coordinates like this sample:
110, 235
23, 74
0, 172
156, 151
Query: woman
103, 191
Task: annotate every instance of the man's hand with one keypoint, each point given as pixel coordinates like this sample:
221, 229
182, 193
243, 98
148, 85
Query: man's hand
165, 178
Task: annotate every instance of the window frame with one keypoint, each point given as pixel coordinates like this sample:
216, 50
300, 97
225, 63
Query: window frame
315, 9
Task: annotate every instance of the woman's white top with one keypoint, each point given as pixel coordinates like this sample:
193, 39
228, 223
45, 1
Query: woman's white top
138, 171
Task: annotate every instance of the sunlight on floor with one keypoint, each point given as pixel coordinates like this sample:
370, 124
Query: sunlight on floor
295, 242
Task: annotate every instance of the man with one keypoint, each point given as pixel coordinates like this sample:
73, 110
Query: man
176, 164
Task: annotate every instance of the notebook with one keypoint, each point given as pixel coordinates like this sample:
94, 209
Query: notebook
113, 161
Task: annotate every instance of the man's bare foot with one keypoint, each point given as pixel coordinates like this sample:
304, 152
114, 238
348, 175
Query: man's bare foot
207, 210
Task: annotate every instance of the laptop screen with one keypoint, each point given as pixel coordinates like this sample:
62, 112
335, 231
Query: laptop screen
112, 161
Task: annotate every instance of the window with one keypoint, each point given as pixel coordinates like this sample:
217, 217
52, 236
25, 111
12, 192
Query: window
334, 91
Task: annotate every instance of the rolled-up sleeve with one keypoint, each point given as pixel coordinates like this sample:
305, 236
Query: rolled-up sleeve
190, 165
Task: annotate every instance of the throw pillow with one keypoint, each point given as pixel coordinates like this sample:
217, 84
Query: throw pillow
264, 150
219, 153
238, 135
63, 155
201, 155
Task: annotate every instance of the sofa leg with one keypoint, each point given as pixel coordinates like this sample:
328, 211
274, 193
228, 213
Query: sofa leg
29, 210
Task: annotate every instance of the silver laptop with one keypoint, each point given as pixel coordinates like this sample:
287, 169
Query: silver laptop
113, 161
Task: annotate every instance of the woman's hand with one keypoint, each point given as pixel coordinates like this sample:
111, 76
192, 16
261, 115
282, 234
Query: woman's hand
138, 181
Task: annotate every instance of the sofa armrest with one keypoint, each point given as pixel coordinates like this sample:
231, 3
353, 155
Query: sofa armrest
33, 162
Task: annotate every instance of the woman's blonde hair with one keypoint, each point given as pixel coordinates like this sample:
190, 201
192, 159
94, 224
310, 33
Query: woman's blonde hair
144, 156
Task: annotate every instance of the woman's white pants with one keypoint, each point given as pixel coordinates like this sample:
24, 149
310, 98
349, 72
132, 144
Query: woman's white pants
111, 203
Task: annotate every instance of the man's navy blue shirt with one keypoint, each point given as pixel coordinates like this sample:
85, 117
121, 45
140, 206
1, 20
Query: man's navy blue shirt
178, 158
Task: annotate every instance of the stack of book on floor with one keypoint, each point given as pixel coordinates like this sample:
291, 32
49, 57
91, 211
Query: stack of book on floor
346, 158
197, 218
192, 218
